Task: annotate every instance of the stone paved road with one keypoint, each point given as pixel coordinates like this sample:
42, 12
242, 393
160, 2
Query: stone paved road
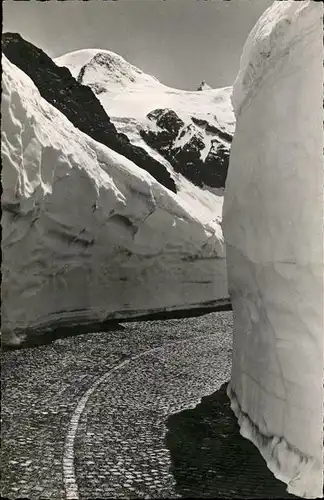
115, 415
122, 431
119, 442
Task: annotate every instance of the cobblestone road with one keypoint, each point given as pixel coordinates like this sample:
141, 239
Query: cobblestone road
88, 416
122, 427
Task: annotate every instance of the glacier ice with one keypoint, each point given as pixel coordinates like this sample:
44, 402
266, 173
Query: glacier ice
273, 229
87, 234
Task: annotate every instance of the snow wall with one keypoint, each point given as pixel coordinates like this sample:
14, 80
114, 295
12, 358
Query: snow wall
87, 235
273, 221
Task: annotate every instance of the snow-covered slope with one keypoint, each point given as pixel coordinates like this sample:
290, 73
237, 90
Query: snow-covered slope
273, 227
88, 235
192, 131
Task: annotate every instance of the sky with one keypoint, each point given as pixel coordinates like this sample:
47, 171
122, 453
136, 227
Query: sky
180, 42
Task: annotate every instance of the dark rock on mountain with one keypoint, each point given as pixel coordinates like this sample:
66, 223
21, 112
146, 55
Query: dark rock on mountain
182, 145
78, 103
167, 119
217, 162
212, 129
203, 86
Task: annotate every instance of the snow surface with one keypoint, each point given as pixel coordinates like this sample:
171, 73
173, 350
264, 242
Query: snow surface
87, 235
103, 66
273, 220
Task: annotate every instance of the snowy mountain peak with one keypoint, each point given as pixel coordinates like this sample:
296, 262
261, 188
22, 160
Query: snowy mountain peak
104, 69
203, 86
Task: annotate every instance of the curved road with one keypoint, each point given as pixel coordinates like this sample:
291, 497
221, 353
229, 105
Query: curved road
85, 417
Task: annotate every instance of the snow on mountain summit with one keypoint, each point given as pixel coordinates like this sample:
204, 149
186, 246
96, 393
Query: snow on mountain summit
103, 69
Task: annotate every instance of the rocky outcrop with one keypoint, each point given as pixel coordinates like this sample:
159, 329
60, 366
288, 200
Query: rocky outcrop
273, 228
203, 86
78, 103
168, 120
211, 129
216, 163
185, 145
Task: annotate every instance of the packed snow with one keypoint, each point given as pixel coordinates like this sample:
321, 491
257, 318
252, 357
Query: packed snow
87, 235
273, 228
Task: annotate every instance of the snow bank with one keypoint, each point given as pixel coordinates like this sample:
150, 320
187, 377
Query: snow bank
87, 235
273, 219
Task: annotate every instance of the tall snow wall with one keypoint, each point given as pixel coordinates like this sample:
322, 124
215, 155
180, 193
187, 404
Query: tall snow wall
273, 228
87, 235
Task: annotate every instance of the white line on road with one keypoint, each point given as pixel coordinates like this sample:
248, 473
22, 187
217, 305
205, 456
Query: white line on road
69, 477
